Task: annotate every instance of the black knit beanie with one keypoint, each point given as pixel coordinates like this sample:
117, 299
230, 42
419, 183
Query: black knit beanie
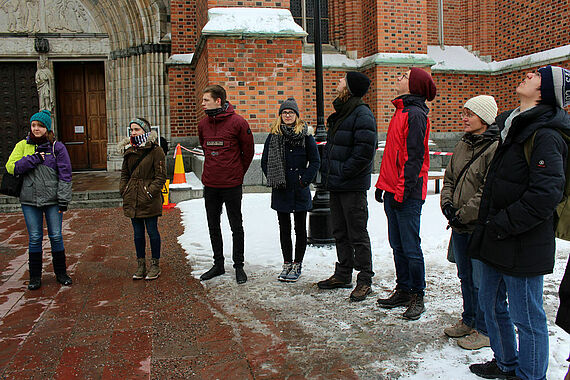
357, 83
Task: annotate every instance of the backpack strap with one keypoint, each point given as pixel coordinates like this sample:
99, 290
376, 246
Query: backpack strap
145, 153
528, 144
475, 157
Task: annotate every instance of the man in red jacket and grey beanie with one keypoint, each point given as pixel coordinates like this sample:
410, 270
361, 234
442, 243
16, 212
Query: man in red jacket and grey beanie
402, 187
228, 150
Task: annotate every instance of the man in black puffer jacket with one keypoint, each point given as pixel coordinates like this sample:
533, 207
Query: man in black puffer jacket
515, 238
347, 163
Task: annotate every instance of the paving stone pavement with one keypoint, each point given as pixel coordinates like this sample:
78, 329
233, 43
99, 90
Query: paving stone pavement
107, 326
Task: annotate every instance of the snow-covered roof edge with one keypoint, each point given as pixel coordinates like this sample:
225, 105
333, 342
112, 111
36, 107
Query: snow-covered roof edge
180, 59
252, 22
341, 61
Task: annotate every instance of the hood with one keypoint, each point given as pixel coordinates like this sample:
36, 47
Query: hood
229, 110
411, 100
492, 133
125, 143
541, 116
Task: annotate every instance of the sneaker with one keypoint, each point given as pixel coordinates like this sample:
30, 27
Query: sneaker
294, 273
416, 307
154, 270
333, 283
285, 271
474, 341
141, 269
241, 277
360, 292
491, 370
63, 279
458, 330
213, 272
397, 298
35, 283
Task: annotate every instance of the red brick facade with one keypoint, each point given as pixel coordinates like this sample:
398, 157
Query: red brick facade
260, 73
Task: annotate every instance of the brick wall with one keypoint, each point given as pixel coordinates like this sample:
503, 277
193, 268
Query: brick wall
406, 30
184, 26
183, 106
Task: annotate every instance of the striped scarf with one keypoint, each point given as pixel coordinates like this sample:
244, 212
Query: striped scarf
140, 139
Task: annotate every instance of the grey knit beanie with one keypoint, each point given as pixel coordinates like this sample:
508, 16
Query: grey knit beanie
289, 104
555, 86
483, 106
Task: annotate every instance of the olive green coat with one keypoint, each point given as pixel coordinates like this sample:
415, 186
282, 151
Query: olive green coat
142, 190
465, 193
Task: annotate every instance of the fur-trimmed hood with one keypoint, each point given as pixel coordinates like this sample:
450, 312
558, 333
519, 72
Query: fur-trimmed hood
125, 143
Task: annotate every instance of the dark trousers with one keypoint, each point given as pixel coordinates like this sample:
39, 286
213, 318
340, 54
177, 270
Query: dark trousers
153, 235
300, 235
214, 198
349, 213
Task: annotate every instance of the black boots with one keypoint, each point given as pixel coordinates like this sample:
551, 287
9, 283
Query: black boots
60, 268
397, 298
216, 270
241, 277
35, 268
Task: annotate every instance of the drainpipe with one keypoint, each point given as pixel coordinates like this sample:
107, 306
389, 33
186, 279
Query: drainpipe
440, 24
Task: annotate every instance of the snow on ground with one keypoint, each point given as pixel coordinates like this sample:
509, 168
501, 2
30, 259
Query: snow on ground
376, 342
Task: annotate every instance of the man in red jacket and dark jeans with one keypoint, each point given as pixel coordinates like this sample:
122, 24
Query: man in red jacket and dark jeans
403, 179
228, 150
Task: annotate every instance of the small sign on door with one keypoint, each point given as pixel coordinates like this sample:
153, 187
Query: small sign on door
79, 129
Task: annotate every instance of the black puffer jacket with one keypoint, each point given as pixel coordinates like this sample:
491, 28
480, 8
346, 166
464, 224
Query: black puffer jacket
347, 160
516, 230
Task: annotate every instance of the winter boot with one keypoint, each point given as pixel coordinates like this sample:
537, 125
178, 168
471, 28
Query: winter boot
474, 341
491, 370
141, 269
416, 307
458, 330
59, 267
360, 292
397, 298
214, 271
154, 270
35, 267
285, 271
241, 277
294, 273
334, 282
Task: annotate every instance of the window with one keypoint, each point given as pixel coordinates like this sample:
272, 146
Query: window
303, 14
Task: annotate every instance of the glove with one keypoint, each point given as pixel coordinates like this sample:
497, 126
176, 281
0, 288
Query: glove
455, 223
62, 208
36, 158
395, 204
449, 211
378, 195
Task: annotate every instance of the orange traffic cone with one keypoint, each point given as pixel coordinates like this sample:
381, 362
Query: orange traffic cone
179, 174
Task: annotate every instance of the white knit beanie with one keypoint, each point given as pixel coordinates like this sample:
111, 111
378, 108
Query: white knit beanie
483, 106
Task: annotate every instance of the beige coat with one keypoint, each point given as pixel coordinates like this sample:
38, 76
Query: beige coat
465, 193
142, 190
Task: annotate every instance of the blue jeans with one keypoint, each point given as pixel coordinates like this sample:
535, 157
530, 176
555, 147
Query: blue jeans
469, 273
404, 237
34, 217
524, 310
140, 240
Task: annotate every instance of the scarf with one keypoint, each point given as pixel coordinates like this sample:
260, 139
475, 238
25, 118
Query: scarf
37, 140
216, 111
343, 110
140, 139
276, 154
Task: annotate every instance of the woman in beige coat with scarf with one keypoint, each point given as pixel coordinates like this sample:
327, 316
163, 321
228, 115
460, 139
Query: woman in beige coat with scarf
142, 177
460, 199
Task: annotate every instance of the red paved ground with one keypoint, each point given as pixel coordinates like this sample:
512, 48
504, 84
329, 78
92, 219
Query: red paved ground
107, 326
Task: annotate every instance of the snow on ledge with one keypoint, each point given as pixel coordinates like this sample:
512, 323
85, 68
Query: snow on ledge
180, 59
459, 59
248, 22
341, 61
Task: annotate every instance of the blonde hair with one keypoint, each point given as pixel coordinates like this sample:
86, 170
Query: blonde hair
275, 128
344, 94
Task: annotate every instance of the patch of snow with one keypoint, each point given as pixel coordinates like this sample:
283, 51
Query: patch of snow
185, 59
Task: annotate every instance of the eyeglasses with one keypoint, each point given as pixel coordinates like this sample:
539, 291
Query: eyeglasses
404, 75
288, 113
467, 113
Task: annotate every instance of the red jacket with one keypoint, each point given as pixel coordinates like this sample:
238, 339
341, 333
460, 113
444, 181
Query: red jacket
405, 163
228, 148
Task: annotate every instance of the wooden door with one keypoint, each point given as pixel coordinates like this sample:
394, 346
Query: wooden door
82, 115
18, 102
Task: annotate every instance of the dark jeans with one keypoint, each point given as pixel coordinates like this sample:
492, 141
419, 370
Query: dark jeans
214, 198
404, 237
153, 235
349, 214
34, 217
469, 273
300, 235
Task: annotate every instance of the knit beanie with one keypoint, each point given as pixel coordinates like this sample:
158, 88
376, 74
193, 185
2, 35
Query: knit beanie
483, 106
555, 86
141, 123
421, 83
357, 83
289, 104
44, 117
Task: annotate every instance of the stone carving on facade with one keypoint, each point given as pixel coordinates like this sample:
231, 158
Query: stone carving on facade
44, 83
45, 16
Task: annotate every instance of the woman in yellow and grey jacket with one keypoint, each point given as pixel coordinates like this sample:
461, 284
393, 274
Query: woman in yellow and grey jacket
460, 199
142, 177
